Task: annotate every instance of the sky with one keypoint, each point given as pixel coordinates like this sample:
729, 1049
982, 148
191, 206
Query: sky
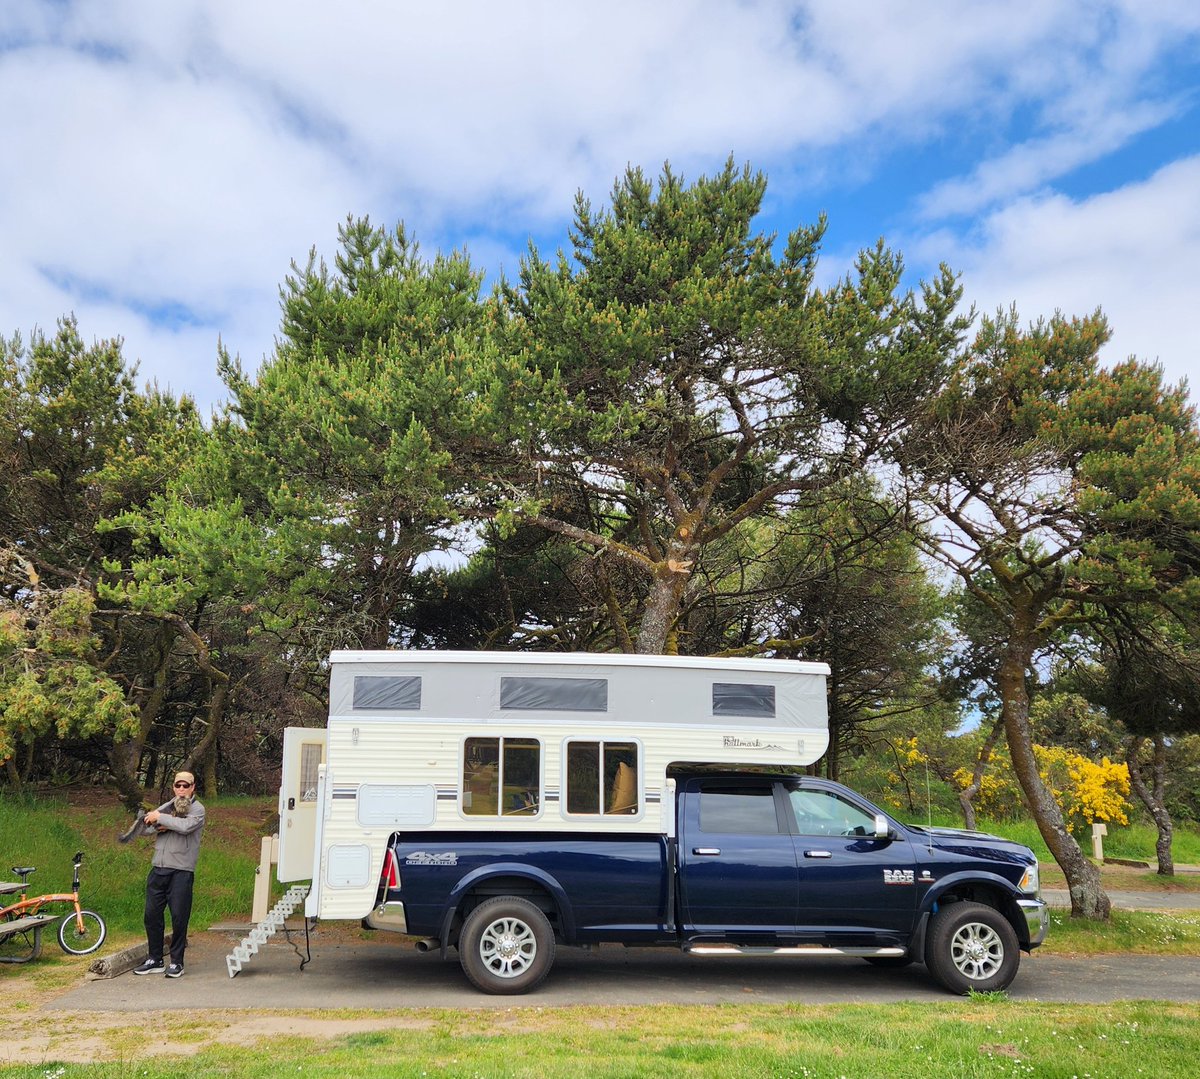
164, 163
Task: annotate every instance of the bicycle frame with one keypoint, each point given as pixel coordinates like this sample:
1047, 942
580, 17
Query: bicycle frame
28, 906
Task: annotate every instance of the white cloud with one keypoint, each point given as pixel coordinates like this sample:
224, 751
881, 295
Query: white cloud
1131, 252
176, 156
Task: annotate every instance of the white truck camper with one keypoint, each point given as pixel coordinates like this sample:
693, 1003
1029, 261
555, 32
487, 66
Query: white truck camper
510, 743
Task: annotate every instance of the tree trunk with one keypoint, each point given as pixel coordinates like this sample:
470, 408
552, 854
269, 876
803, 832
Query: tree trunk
125, 758
1154, 800
661, 611
202, 759
966, 796
1088, 898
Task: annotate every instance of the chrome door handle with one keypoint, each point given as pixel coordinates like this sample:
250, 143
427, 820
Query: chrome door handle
706, 850
818, 854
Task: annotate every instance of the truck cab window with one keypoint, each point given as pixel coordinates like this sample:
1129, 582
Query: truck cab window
820, 812
602, 778
738, 810
501, 777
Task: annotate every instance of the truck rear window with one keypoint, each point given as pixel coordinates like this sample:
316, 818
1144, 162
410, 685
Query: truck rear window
729, 810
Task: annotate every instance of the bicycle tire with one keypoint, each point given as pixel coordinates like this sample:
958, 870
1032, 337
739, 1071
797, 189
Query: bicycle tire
73, 942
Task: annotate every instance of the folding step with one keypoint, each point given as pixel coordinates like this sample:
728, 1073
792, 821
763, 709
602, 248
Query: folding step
266, 929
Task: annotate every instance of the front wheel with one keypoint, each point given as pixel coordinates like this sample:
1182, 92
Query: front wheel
506, 946
76, 941
972, 946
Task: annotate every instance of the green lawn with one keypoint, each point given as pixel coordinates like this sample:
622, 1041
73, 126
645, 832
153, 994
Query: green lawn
968, 1038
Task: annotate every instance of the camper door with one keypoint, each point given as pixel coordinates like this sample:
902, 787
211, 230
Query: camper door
303, 755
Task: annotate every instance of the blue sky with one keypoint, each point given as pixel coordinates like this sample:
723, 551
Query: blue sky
165, 162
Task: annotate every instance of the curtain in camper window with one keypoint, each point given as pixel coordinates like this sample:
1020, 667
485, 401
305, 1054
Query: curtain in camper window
602, 778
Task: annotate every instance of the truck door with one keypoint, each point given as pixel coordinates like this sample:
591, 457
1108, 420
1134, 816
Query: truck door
738, 875
303, 754
849, 881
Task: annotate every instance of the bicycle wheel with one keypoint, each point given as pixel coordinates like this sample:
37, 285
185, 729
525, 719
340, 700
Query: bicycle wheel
75, 942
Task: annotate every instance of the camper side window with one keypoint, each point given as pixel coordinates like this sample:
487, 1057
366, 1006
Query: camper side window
602, 778
501, 777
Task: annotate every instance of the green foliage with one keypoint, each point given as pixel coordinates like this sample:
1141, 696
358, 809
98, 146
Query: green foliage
677, 378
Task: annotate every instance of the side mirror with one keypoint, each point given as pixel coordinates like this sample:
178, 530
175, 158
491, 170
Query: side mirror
882, 828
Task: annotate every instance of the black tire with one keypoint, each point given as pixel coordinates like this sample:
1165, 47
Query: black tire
889, 962
972, 946
73, 942
506, 946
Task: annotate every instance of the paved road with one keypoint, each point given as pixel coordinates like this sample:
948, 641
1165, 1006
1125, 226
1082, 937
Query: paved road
386, 972
1129, 900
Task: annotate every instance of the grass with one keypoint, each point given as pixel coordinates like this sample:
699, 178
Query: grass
983, 1037
1127, 932
47, 832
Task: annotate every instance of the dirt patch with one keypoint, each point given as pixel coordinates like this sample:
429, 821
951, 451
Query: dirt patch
84, 1037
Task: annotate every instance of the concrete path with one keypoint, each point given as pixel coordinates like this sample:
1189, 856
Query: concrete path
384, 972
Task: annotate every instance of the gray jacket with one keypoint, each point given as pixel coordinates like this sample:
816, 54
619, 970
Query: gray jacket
178, 846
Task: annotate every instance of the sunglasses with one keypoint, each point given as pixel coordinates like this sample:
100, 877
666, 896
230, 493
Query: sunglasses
181, 783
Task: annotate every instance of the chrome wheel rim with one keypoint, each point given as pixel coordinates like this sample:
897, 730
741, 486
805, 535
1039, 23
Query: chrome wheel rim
508, 947
977, 951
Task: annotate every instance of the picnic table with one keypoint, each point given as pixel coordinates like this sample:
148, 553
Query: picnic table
30, 923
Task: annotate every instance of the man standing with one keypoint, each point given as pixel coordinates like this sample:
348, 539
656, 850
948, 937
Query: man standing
178, 824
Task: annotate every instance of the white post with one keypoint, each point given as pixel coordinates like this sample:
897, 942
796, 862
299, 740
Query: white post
1099, 831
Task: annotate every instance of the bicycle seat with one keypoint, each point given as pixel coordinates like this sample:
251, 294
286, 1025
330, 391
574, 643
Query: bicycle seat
23, 871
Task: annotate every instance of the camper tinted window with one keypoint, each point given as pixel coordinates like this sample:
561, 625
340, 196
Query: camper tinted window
741, 699
502, 777
389, 693
554, 694
602, 778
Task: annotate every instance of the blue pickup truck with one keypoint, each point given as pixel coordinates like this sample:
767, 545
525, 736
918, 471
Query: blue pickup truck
759, 863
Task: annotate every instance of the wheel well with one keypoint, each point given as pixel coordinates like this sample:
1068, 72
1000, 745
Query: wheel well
990, 896
496, 886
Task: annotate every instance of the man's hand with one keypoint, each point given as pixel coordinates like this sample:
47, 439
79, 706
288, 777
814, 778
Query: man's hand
151, 817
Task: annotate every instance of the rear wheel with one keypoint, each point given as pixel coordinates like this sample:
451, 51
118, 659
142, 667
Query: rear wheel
506, 946
972, 946
77, 941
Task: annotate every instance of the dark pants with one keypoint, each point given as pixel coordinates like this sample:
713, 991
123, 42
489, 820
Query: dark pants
168, 888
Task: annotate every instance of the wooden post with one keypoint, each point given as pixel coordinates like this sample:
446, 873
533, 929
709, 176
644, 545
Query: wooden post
269, 855
1099, 831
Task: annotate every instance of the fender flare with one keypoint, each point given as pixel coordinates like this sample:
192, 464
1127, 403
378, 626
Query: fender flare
948, 883
929, 901
522, 871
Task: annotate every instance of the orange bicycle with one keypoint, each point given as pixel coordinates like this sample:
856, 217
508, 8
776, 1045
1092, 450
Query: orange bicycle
79, 933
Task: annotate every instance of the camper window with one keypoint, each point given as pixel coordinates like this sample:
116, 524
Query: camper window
602, 778
501, 777
743, 699
554, 694
390, 693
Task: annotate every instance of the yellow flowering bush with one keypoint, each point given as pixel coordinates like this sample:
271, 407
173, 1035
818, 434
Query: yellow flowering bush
1088, 791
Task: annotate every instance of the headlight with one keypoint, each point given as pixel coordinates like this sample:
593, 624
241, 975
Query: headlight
1030, 882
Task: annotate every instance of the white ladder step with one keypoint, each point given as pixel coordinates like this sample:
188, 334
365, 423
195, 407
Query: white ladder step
265, 929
